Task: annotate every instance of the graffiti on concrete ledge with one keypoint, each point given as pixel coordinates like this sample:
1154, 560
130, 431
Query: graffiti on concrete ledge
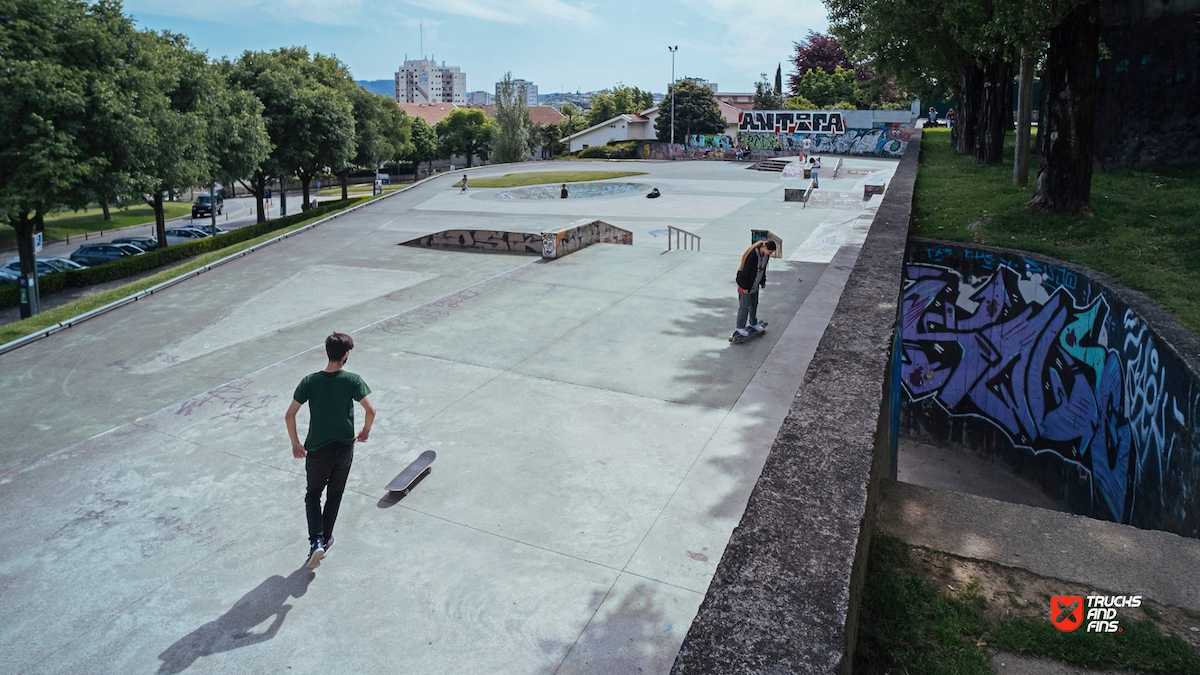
482, 240
1043, 355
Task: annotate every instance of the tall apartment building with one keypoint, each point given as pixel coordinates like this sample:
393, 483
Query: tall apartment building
424, 81
479, 98
531, 92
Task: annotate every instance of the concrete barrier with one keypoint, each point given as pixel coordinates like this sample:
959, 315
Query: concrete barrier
1059, 373
785, 596
582, 234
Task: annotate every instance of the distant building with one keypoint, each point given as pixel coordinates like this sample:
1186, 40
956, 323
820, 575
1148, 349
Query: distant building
531, 91
424, 81
702, 82
479, 98
538, 114
430, 112
639, 126
743, 100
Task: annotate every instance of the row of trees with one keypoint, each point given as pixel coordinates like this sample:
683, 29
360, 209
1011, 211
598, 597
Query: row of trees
973, 48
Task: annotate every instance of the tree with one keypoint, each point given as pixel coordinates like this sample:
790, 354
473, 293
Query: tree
816, 52
765, 97
327, 135
548, 135
824, 89
799, 103
381, 132
575, 120
238, 143
514, 127
466, 132
424, 145
696, 112
44, 110
620, 100
779, 80
175, 104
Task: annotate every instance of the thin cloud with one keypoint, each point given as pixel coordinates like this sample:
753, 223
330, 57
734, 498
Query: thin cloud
524, 12
753, 37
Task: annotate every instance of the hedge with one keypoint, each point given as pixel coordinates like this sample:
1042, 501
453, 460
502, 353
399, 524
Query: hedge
10, 294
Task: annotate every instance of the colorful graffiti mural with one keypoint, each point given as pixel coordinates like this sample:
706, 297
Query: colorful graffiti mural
884, 141
1059, 365
791, 122
709, 141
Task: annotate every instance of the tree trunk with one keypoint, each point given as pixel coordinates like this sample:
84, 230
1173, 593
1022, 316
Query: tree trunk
968, 95
344, 176
24, 225
104, 208
160, 222
470, 156
1064, 182
1024, 112
994, 114
282, 197
305, 205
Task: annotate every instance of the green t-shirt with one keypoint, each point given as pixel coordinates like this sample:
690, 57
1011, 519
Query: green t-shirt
330, 398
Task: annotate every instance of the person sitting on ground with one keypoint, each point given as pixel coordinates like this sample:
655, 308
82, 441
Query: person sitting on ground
564, 194
654, 194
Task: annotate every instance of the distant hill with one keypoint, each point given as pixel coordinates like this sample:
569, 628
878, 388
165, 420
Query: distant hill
383, 87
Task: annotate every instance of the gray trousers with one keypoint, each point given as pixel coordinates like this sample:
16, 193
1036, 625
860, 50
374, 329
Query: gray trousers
747, 309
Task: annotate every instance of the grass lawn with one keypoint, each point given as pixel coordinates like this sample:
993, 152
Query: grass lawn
543, 177
929, 613
60, 225
1143, 230
336, 191
57, 315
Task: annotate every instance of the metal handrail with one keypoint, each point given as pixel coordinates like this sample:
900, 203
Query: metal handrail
687, 237
837, 167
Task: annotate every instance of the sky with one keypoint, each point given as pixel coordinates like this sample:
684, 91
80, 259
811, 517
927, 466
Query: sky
557, 44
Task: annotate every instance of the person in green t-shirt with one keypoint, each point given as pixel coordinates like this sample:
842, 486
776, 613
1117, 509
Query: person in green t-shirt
328, 449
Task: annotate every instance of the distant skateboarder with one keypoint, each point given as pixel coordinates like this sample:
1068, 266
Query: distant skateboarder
752, 277
816, 170
328, 449
564, 194
464, 183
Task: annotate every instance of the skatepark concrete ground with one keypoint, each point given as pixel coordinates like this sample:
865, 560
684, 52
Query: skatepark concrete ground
597, 439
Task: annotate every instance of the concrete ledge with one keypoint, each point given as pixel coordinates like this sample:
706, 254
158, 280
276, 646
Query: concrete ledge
580, 235
1107, 556
785, 595
490, 241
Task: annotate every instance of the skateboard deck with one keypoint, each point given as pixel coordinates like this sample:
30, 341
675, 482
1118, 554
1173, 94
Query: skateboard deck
420, 466
754, 332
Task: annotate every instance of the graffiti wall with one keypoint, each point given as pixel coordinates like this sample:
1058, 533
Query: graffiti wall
883, 141
571, 239
482, 240
1054, 375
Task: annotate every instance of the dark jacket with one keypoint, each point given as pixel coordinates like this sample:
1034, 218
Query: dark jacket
749, 270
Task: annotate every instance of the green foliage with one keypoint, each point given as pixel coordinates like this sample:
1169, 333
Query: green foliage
695, 112
1141, 231
779, 80
905, 625
842, 105
514, 129
620, 100
424, 146
799, 103
237, 137
128, 267
824, 89
466, 132
765, 97
1139, 646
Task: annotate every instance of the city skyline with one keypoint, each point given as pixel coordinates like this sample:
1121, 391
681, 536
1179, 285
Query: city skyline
561, 46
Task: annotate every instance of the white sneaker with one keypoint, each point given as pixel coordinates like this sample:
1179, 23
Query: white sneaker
743, 332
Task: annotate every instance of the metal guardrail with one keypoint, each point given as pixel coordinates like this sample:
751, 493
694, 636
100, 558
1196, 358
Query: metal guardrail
837, 167
808, 192
688, 239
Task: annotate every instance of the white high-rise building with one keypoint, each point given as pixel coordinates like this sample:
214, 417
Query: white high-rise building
424, 81
479, 98
531, 92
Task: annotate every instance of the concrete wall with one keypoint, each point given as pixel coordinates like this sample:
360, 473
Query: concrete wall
581, 235
772, 133
491, 241
1059, 373
785, 596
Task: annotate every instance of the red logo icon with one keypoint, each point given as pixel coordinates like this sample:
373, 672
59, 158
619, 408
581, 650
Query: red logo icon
1066, 612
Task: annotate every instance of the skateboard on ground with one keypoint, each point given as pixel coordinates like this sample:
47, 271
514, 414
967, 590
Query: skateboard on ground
403, 482
755, 330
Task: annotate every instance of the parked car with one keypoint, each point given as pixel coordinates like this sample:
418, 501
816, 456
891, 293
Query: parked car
144, 243
46, 265
97, 254
209, 229
8, 276
203, 205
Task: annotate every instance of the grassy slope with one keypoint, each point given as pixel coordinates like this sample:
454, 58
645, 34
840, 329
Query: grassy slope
1144, 230
61, 225
546, 177
57, 315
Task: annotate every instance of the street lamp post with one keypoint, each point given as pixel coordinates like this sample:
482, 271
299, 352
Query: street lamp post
672, 88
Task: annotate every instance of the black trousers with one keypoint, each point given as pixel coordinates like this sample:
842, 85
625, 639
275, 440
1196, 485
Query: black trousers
327, 469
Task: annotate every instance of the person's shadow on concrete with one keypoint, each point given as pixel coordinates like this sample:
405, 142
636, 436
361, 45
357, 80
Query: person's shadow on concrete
233, 629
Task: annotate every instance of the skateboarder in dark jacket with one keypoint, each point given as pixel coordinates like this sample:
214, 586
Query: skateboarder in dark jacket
328, 449
751, 277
